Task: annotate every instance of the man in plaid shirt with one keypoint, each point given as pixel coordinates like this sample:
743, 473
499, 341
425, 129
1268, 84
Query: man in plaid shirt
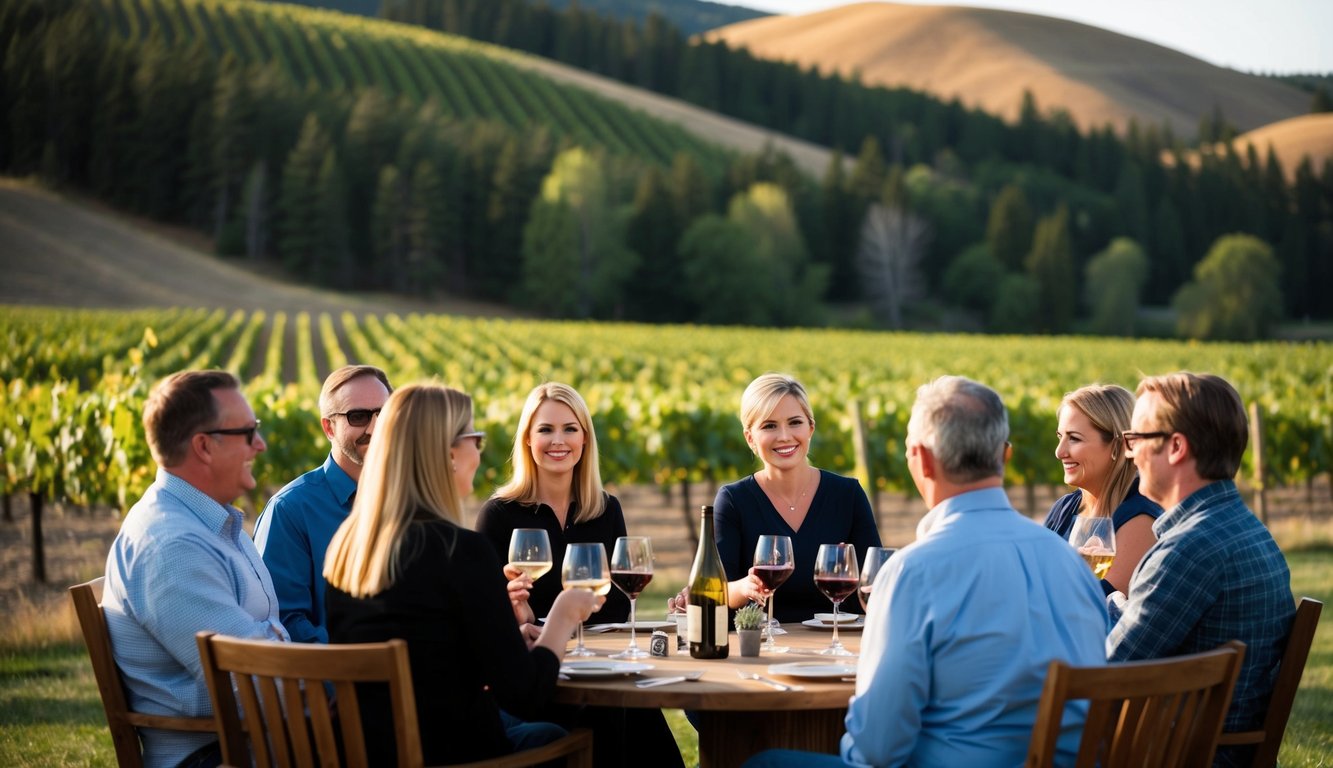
1215, 574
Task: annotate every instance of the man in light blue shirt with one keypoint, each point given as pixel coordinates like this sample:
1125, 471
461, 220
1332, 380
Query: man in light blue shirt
297, 524
182, 561
963, 623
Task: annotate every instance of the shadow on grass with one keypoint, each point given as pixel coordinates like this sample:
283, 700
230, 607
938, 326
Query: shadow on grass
49, 686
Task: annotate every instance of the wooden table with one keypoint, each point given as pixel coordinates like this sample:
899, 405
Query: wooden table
736, 718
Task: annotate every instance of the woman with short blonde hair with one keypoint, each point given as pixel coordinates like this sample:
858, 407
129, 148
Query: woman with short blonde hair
401, 566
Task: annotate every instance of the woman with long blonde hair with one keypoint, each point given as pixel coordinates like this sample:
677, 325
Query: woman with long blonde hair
402, 566
1090, 449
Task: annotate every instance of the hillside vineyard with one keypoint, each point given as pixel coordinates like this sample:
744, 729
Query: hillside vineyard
664, 398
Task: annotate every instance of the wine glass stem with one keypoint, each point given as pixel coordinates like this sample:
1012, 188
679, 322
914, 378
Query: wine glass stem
836, 644
633, 636
579, 647
769, 627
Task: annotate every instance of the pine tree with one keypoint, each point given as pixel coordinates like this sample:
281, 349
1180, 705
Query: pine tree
1115, 280
428, 224
1051, 265
298, 203
1009, 228
654, 233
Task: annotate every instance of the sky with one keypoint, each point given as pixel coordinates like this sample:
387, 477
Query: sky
1261, 36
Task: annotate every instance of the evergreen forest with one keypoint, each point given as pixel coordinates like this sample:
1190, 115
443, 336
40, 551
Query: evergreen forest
362, 154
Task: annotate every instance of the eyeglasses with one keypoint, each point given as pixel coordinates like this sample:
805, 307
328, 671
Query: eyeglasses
1131, 438
249, 432
480, 437
358, 417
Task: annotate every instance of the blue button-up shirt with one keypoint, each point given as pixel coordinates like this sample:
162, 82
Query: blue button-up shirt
1214, 575
961, 627
181, 563
292, 535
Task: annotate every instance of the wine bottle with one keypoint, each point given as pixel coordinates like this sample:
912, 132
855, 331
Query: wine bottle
707, 608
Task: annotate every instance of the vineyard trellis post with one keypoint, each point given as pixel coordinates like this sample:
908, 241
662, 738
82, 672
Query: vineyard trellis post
1260, 476
38, 547
861, 457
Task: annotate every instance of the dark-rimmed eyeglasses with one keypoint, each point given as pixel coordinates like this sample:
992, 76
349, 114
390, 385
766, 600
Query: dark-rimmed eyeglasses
249, 432
1131, 438
358, 417
480, 437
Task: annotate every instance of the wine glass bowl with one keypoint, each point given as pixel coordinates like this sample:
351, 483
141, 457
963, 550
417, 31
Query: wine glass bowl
530, 552
837, 576
876, 557
773, 565
1094, 539
585, 568
631, 570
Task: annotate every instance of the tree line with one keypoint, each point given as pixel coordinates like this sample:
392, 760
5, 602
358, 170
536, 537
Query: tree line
360, 188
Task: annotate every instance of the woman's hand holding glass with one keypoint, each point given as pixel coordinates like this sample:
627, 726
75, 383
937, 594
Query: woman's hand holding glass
1094, 539
529, 560
585, 569
571, 608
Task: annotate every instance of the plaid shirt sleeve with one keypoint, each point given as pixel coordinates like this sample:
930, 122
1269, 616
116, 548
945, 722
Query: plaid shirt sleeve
1171, 589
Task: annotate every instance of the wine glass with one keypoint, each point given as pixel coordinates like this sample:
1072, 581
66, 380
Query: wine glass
530, 552
585, 568
631, 570
773, 565
836, 576
876, 557
1094, 538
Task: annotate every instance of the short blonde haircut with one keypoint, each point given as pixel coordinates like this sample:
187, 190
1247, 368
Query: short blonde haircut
1109, 408
1206, 409
522, 485
764, 394
407, 471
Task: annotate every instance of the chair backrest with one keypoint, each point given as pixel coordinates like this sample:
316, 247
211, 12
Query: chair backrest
1268, 737
120, 719
283, 703
1166, 712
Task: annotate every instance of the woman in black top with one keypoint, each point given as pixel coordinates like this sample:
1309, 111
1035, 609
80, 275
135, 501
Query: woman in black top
557, 486
400, 566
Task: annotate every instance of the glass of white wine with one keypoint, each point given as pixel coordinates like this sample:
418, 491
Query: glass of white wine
631, 570
585, 568
530, 552
1094, 538
876, 557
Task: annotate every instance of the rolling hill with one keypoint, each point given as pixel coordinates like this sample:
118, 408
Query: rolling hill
987, 58
1293, 139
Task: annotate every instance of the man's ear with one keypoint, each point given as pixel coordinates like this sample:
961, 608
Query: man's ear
1009, 452
1178, 449
926, 460
201, 447
327, 425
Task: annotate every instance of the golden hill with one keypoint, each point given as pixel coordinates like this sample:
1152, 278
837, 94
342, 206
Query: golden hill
987, 58
1293, 139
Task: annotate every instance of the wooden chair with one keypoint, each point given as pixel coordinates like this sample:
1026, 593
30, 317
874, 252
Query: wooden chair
1268, 736
283, 703
120, 719
1165, 712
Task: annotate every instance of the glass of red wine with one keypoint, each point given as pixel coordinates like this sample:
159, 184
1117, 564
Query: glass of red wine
836, 575
876, 557
773, 565
631, 570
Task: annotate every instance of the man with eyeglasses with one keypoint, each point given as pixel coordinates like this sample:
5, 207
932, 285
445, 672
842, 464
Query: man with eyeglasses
182, 561
1215, 574
298, 523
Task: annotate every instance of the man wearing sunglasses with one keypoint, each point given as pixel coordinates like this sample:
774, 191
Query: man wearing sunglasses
298, 523
1215, 574
182, 561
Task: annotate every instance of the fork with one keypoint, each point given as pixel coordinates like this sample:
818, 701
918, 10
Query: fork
768, 681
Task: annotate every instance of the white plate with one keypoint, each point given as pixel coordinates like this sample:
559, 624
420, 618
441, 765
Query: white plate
814, 670
592, 670
843, 617
843, 626
646, 626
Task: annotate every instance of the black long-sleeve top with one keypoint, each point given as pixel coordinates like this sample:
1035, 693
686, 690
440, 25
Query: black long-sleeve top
498, 518
449, 602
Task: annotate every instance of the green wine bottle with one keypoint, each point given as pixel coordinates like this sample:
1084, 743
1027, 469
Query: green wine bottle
708, 597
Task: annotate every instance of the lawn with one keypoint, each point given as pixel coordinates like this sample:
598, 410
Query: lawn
50, 714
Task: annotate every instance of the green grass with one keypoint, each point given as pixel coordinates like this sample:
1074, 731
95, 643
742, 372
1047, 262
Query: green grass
50, 714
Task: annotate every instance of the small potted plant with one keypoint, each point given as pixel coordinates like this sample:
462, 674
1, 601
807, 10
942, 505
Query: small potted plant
749, 622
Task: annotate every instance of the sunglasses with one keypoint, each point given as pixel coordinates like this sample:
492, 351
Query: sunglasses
480, 437
249, 432
358, 417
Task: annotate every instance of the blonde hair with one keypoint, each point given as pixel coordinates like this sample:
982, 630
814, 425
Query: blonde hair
522, 485
406, 472
764, 394
1109, 408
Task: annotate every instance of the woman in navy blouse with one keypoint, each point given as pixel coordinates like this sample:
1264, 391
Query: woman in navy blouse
1106, 482
788, 497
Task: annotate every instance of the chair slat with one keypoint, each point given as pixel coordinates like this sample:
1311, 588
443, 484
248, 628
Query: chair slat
293, 712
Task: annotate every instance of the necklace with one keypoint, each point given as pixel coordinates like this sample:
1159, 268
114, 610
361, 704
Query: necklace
791, 505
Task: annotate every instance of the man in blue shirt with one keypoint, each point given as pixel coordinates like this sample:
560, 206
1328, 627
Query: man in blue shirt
1215, 574
182, 561
297, 524
963, 623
